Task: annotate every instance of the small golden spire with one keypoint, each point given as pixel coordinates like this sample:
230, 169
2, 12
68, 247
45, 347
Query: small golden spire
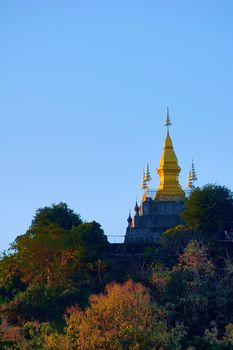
194, 175
143, 183
190, 181
147, 176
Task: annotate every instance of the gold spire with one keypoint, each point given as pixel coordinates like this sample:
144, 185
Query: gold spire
143, 183
169, 188
193, 171
190, 181
192, 177
147, 176
144, 186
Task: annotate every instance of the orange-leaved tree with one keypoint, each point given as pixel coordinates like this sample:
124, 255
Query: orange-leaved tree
123, 318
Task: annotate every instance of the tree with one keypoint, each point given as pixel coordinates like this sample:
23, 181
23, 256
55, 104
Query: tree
159, 277
192, 288
59, 214
89, 240
40, 255
209, 208
174, 240
124, 318
195, 260
50, 267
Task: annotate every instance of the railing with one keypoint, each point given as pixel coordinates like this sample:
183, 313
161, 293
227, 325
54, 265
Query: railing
150, 193
116, 238
142, 238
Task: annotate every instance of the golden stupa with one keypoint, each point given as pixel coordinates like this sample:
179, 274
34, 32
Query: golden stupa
169, 188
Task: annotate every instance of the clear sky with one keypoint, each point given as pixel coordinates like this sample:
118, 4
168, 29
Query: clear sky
84, 85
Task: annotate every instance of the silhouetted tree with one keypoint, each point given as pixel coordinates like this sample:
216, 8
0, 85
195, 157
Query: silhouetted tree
209, 208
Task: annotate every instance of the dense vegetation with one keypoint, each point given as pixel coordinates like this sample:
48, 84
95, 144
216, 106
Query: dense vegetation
61, 288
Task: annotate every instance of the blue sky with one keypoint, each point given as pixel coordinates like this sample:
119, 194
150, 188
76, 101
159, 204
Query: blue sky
84, 86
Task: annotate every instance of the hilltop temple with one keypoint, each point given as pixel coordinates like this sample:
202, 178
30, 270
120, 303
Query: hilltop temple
160, 209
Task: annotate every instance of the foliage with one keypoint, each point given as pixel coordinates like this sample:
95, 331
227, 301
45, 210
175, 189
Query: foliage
182, 298
159, 277
48, 265
10, 336
59, 214
195, 260
124, 318
209, 208
174, 240
194, 298
34, 334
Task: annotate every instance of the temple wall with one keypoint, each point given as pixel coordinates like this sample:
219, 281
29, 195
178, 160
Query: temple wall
155, 218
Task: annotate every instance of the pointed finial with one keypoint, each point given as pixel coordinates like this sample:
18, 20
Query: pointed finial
147, 176
194, 175
136, 208
129, 217
167, 121
190, 180
129, 220
144, 184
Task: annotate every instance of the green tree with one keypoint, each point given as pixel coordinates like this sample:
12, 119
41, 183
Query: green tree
59, 214
209, 208
89, 240
50, 267
174, 240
